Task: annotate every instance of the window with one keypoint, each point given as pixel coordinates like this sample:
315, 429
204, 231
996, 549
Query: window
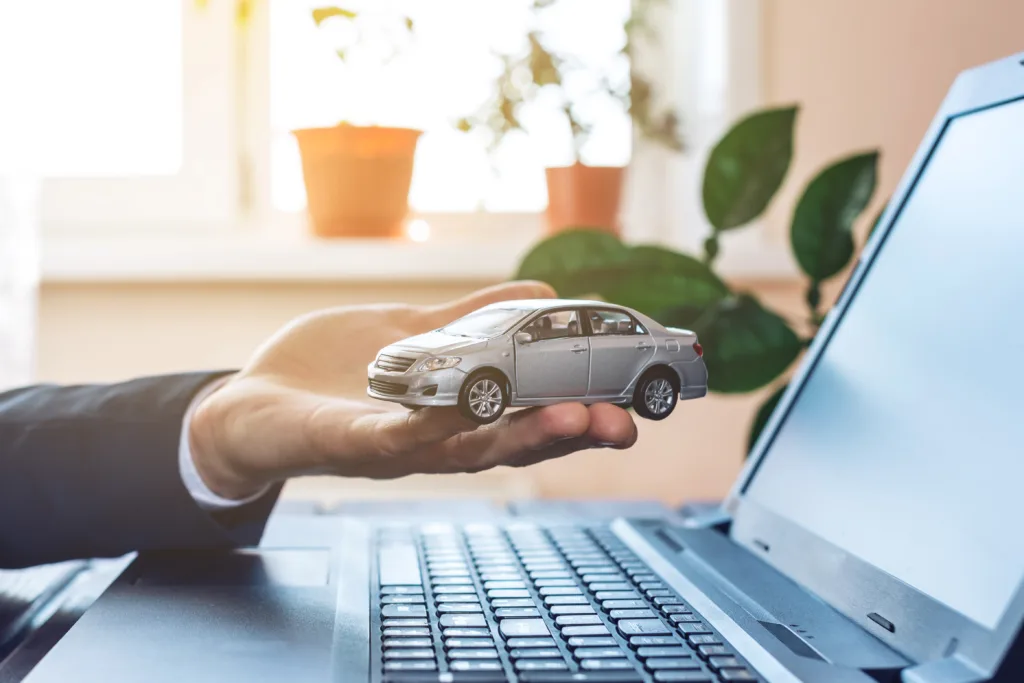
556, 325
125, 111
607, 322
446, 73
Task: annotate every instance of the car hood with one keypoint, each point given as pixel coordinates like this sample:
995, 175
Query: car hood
439, 343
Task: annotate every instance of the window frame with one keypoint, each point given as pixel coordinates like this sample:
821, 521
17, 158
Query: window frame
548, 311
202, 195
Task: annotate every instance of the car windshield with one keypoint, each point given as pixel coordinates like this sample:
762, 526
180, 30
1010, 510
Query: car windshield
487, 323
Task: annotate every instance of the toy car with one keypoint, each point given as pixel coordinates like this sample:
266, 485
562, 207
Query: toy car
539, 352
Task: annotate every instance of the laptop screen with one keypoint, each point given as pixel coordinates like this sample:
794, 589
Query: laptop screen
905, 446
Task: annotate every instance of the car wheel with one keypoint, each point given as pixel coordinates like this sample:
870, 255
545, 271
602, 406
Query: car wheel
656, 394
483, 397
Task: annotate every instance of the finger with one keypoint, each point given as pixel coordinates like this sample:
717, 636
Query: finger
509, 291
539, 433
384, 436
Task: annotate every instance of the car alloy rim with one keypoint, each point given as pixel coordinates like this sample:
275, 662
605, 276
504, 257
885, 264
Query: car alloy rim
485, 398
659, 396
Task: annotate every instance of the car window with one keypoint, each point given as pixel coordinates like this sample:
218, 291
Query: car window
608, 322
555, 325
486, 323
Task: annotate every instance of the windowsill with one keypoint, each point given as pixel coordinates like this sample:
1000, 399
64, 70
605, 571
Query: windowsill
253, 257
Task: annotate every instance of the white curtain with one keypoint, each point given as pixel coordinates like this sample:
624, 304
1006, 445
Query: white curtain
19, 279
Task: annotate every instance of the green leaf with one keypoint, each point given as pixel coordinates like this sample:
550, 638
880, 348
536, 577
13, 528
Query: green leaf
761, 418
649, 279
745, 345
321, 14
822, 231
747, 167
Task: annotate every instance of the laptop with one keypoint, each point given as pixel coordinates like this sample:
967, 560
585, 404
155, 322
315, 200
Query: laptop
872, 537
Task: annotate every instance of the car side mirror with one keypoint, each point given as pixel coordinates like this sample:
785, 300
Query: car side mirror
523, 337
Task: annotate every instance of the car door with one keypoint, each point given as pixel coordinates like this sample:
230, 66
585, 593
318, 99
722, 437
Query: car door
620, 347
555, 362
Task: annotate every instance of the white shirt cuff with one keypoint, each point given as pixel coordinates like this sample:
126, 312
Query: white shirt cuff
200, 492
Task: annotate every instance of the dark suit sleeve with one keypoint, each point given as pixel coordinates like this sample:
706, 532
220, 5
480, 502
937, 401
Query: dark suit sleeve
92, 471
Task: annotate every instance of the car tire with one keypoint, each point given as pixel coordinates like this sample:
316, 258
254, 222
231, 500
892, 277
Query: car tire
656, 394
484, 397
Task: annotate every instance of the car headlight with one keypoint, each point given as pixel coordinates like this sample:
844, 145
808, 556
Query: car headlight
432, 364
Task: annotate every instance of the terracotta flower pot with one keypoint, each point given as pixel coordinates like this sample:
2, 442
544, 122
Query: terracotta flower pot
357, 179
585, 197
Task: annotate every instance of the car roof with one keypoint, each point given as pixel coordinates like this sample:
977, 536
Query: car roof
543, 304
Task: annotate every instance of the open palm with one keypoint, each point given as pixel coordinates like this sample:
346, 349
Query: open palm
296, 408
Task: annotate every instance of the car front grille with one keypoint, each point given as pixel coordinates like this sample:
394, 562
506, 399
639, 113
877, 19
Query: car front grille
388, 388
394, 363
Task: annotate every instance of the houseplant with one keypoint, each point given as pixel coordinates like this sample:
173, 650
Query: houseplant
357, 175
747, 346
578, 194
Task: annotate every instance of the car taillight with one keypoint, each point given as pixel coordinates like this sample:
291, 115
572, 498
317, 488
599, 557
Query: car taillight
699, 349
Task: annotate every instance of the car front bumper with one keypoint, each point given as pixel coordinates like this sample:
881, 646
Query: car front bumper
438, 388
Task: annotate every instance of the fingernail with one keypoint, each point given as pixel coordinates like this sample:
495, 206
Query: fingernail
606, 444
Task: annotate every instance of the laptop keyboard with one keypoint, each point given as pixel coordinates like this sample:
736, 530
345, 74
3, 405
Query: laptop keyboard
483, 603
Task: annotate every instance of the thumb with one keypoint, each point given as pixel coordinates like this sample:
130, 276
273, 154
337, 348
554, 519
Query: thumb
509, 291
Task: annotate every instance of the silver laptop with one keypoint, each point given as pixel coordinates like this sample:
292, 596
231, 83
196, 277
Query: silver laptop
873, 535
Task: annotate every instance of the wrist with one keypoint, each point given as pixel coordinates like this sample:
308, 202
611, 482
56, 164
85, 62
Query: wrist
208, 438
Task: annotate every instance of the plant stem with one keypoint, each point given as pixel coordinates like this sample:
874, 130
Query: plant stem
813, 299
711, 249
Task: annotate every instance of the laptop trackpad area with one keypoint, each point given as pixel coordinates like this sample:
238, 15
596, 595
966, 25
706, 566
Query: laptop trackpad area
257, 615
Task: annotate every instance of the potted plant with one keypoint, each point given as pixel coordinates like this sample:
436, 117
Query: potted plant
578, 194
357, 173
747, 346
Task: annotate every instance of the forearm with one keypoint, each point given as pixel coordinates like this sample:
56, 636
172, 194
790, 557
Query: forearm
95, 471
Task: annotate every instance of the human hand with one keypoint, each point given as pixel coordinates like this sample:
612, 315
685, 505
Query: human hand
289, 412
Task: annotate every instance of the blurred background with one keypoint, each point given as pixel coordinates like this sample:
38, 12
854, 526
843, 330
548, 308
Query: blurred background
158, 214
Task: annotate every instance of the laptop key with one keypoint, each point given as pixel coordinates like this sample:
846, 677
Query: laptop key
508, 593
652, 641
527, 643
546, 583
617, 614
663, 651
583, 677
452, 581
682, 677
489, 585
559, 610
631, 627
467, 632
712, 650
726, 662
402, 600
511, 628
540, 665
404, 622
476, 666
609, 605
403, 611
736, 675
599, 653
669, 600
592, 641
702, 639
452, 597
445, 590
473, 654
401, 590
407, 642
565, 600
577, 620
405, 632
463, 620
693, 627
512, 602
683, 618
610, 587
659, 663
460, 607
536, 653
606, 665
409, 654
410, 666
570, 631
452, 643
675, 609
516, 612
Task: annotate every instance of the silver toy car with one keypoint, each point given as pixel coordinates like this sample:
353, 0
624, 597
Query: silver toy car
543, 351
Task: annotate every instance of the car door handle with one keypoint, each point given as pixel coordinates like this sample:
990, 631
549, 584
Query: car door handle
644, 347
578, 349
